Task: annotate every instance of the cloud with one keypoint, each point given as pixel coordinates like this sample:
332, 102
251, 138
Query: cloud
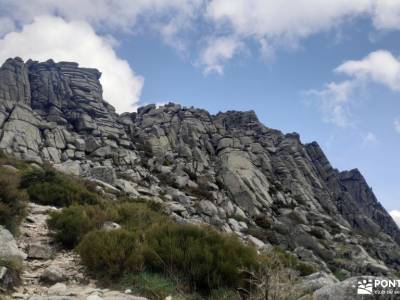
335, 99
379, 66
271, 24
333, 102
396, 124
168, 17
217, 52
285, 23
52, 37
6, 26
281, 23
370, 139
284, 18
396, 216
386, 14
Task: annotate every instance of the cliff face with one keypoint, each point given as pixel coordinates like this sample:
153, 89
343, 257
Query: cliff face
228, 170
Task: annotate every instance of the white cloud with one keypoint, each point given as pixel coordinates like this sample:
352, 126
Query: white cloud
217, 52
278, 23
272, 24
396, 124
333, 101
168, 17
52, 37
386, 14
379, 67
6, 26
396, 216
370, 139
293, 19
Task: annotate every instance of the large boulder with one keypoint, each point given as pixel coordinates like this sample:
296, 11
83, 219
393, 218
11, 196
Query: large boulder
8, 247
105, 174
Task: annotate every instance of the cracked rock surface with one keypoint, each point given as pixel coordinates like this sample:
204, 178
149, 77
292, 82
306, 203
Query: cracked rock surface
227, 170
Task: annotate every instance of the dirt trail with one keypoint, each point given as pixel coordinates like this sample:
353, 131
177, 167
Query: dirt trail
50, 273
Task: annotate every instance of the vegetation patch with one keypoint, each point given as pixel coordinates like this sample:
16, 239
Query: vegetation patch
12, 199
151, 285
49, 187
109, 254
71, 224
204, 257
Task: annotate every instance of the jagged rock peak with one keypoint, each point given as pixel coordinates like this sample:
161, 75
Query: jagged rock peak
227, 170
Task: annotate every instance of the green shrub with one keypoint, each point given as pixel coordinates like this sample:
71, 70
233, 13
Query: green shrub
290, 261
110, 254
12, 200
139, 215
341, 275
151, 285
224, 294
204, 257
49, 187
70, 225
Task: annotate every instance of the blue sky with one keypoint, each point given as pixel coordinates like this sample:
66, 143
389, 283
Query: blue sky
329, 71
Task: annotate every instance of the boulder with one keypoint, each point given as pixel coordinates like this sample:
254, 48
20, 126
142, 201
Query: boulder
39, 251
58, 289
53, 274
109, 226
208, 208
103, 173
8, 247
71, 167
316, 281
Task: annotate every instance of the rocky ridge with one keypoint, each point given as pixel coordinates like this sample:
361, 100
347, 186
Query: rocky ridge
227, 170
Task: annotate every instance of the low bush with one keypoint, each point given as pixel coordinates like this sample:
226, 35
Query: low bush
49, 187
224, 294
110, 254
151, 285
290, 261
204, 257
12, 200
72, 223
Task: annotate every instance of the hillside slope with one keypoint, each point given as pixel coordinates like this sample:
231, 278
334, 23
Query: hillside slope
227, 170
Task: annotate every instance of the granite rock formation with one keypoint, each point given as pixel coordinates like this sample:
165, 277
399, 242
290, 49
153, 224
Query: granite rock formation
227, 170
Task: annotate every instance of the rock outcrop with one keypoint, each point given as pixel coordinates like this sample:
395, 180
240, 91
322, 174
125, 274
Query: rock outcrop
227, 170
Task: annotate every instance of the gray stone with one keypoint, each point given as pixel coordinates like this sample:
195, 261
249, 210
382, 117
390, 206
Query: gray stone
59, 289
208, 208
109, 226
316, 281
52, 274
127, 187
91, 144
105, 174
8, 247
69, 167
39, 251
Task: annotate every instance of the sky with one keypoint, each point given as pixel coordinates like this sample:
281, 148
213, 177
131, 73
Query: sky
329, 70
